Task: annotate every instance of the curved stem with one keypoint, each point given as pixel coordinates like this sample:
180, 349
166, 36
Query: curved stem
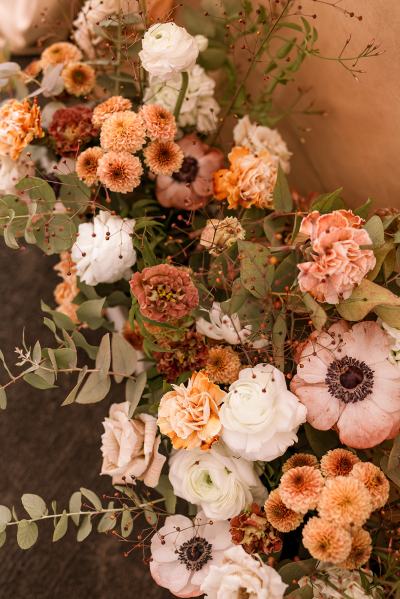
182, 93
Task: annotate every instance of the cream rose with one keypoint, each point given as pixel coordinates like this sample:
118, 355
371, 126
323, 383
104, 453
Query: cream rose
167, 50
12, 171
130, 447
215, 480
260, 417
103, 252
241, 575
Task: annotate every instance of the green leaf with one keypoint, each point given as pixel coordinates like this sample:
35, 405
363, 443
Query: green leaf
91, 312
295, 570
34, 505
150, 515
3, 537
165, 489
103, 358
95, 388
38, 189
369, 296
65, 357
75, 504
81, 342
37, 381
74, 193
286, 273
124, 357
321, 441
85, 528
282, 197
327, 202
61, 527
374, 228
107, 521
72, 394
27, 534
134, 391
279, 332
3, 399
93, 498
317, 313
5, 517
256, 273
126, 523
364, 210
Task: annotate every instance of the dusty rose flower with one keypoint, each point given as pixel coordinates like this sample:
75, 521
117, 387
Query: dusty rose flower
338, 462
375, 482
87, 165
71, 128
301, 487
300, 459
219, 235
109, 107
164, 292
163, 157
185, 355
279, 515
119, 171
338, 263
79, 78
189, 415
130, 447
60, 52
192, 186
345, 501
123, 132
252, 530
326, 541
160, 123
345, 378
222, 365
249, 181
19, 125
361, 547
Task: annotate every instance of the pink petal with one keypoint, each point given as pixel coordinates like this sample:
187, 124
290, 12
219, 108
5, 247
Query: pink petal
363, 424
312, 369
171, 576
323, 410
386, 393
367, 342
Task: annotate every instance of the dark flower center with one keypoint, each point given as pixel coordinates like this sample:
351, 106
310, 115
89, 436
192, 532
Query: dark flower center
349, 380
188, 171
195, 553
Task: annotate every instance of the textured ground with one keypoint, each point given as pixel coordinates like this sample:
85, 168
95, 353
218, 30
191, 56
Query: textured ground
53, 451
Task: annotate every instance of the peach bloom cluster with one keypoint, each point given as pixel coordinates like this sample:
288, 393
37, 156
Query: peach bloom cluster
66, 291
249, 181
188, 415
343, 490
20, 123
339, 259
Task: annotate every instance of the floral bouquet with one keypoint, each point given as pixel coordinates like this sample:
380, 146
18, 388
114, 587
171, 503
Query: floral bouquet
251, 336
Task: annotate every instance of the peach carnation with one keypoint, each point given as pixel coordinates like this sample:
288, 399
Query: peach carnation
163, 157
87, 165
279, 515
160, 123
338, 462
119, 171
339, 263
345, 501
164, 292
223, 365
60, 52
361, 547
107, 108
326, 541
301, 487
123, 132
374, 480
300, 459
189, 415
79, 78
19, 125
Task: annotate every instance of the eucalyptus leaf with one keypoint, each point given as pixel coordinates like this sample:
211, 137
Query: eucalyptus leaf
27, 534
95, 388
34, 505
72, 394
134, 391
3, 399
126, 523
92, 497
317, 313
84, 529
256, 272
61, 527
103, 358
283, 200
91, 312
75, 505
107, 521
124, 357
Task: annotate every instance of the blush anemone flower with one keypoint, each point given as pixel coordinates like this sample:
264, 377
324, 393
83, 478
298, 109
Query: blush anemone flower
345, 379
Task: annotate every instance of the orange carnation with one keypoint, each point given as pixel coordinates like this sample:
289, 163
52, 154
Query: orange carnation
19, 125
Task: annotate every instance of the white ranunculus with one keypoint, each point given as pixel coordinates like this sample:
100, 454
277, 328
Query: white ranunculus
258, 138
103, 258
335, 583
394, 335
202, 42
221, 484
12, 171
260, 417
241, 575
167, 50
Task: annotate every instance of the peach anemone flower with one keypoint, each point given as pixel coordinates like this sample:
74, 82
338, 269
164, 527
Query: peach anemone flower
189, 415
346, 380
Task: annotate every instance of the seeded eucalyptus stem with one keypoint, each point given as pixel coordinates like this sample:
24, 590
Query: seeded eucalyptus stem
182, 93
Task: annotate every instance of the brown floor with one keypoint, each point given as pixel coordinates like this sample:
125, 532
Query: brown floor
53, 451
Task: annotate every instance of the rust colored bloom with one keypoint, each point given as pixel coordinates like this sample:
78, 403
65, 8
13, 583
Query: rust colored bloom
87, 165
252, 530
119, 171
19, 125
326, 540
279, 515
187, 354
345, 501
79, 78
361, 547
164, 292
160, 123
300, 459
301, 487
374, 480
123, 132
71, 128
189, 415
60, 52
338, 462
107, 108
222, 365
163, 157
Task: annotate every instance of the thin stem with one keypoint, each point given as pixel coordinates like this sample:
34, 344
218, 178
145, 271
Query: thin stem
119, 53
182, 94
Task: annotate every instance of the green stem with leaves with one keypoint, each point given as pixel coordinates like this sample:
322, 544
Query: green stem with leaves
182, 94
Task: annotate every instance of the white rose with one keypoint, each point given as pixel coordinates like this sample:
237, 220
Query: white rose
103, 251
12, 171
215, 480
260, 417
241, 575
168, 49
